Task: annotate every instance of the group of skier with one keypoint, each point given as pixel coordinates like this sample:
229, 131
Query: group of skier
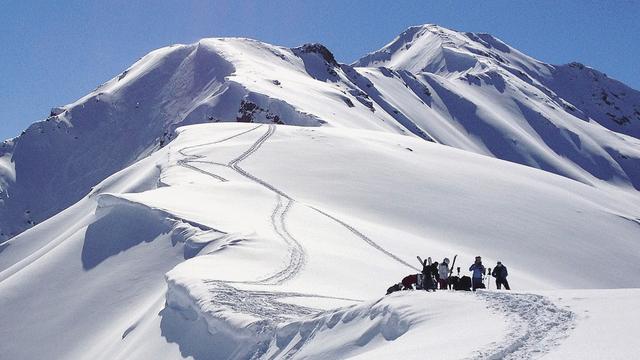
440, 275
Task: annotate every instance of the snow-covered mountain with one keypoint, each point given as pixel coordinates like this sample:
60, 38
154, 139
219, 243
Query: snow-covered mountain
500, 102
470, 91
587, 93
155, 231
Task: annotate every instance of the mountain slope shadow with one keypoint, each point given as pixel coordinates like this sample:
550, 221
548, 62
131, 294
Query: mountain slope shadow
122, 228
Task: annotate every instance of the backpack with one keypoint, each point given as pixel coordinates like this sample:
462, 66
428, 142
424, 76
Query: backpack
464, 284
420, 282
394, 288
426, 282
453, 281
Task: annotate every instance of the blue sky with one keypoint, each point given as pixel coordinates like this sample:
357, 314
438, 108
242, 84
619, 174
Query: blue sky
53, 54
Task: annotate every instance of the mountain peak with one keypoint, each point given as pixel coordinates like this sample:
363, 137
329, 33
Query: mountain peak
436, 49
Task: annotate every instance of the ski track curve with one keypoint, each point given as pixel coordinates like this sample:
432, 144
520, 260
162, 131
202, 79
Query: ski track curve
234, 164
536, 325
297, 256
189, 158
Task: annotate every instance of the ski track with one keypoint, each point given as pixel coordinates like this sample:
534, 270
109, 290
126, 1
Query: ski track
364, 237
535, 325
297, 254
196, 158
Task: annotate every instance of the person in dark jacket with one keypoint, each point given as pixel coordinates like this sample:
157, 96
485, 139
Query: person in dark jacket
429, 275
478, 271
435, 277
408, 281
434, 271
500, 273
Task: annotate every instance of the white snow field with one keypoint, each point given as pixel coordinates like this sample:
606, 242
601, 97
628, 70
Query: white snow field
232, 199
241, 241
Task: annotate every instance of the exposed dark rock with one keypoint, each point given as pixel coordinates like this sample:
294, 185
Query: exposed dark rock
274, 118
621, 120
319, 49
56, 111
348, 102
246, 111
121, 76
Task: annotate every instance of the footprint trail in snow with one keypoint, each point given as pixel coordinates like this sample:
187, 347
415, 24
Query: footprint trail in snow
536, 325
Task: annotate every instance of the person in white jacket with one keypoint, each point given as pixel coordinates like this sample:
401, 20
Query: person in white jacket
443, 273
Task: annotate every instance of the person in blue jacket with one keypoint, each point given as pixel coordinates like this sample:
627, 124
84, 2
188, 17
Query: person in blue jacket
500, 273
478, 271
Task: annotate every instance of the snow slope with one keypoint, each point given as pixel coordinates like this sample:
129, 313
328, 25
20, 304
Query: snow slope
465, 90
260, 241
